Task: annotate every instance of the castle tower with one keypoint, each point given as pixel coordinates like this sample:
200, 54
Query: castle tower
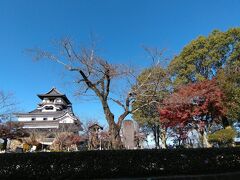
54, 110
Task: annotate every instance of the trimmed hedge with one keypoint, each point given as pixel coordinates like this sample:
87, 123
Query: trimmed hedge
119, 164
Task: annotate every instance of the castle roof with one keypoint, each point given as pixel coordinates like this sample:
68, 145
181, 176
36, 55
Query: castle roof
54, 93
95, 125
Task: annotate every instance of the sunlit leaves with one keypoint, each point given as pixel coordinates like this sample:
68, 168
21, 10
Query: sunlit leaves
201, 101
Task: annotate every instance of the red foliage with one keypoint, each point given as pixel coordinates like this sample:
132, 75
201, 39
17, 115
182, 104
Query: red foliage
200, 100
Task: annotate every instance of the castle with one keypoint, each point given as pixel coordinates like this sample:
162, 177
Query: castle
52, 113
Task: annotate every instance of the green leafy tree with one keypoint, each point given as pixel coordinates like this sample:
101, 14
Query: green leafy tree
203, 57
154, 85
229, 81
217, 55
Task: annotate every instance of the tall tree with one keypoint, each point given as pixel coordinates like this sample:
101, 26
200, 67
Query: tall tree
154, 87
152, 84
202, 58
229, 81
96, 76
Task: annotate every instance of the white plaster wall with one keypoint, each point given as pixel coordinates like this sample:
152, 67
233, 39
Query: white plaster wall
36, 127
66, 119
24, 119
41, 118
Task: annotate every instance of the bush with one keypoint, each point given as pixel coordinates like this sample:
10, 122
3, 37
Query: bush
1, 146
223, 137
118, 164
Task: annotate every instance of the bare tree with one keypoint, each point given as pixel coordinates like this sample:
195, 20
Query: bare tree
95, 77
95, 74
7, 106
63, 135
12, 130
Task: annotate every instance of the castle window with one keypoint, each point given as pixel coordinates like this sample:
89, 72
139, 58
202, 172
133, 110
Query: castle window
33, 119
44, 119
49, 107
45, 100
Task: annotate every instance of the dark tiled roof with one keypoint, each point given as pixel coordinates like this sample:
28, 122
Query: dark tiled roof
42, 123
50, 124
54, 93
36, 113
95, 125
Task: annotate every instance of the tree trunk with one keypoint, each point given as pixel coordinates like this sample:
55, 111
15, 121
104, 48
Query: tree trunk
156, 134
163, 137
225, 122
116, 142
114, 130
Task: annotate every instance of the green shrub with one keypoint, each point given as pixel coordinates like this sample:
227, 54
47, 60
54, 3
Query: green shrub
223, 137
1, 146
122, 164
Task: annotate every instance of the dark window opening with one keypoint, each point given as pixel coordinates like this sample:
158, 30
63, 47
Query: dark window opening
51, 136
33, 119
44, 119
49, 107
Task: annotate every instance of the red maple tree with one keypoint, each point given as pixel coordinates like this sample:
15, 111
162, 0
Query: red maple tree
197, 101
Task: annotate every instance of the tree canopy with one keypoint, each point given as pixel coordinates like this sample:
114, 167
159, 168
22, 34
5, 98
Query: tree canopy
203, 57
201, 83
153, 85
229, 82
216, 55
12, 130
198, 101
153, 82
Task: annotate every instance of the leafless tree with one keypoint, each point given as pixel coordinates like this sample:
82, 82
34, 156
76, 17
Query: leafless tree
35, 135
61, 135
7, 106
95, 77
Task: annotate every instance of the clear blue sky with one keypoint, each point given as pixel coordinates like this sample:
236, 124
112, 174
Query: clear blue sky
122, 25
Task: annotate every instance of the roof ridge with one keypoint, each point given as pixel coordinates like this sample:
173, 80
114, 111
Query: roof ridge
54, 89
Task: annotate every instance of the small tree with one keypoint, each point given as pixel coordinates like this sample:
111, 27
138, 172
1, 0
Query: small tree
67, 141
12, 130
7, 106
224, 137
198, 102
65, 134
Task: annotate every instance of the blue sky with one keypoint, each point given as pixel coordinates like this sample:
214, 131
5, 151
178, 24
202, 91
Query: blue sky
122, 26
